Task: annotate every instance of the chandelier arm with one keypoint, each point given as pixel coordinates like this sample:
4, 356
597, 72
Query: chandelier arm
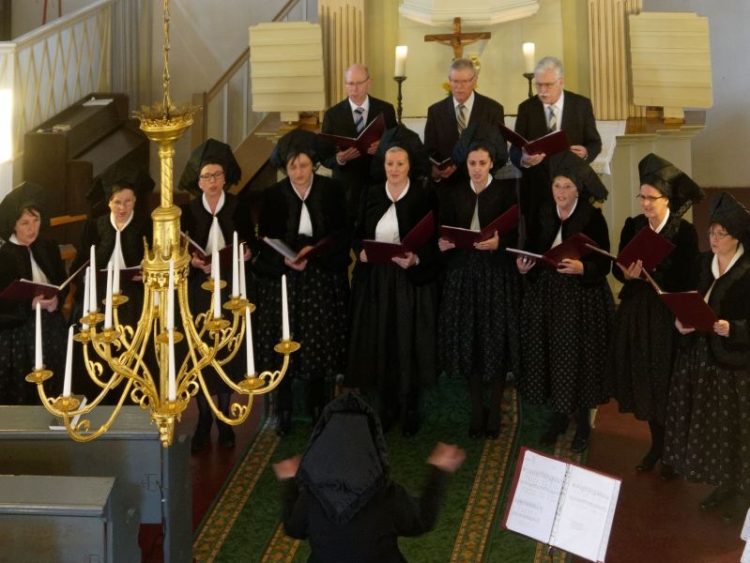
242, 410
80, 432
91, 366
229, 333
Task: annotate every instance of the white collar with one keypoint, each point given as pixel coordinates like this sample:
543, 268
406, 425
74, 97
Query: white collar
468, 104
489, 181
307, 193
663, 222
572, 209
15, 241
401, 196
364, 105
219, 205
715, 262
114, 225
558, 105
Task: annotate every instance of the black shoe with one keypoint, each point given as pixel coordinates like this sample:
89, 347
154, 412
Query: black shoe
284, 424
199, 441
667, 472
718, 496
558, 425
648, 462
226, 438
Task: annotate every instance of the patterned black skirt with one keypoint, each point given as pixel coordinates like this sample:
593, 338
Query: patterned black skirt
708, 419
317, 320
478, 327
641, 355
565, 330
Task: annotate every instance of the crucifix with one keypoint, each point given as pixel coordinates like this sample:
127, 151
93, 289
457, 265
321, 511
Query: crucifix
457, 40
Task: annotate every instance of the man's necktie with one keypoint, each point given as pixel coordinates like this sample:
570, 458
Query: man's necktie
461, 118
359, 120
552, 120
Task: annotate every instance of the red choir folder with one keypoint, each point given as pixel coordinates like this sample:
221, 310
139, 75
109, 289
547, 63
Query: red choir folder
285, 250
466, 238
23, 290
573, 248
549, 144
647, 245
381, 252
362, 142
562, 504
225, 253
691, 309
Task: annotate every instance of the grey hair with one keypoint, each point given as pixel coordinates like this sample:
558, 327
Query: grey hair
550, 63
462, 64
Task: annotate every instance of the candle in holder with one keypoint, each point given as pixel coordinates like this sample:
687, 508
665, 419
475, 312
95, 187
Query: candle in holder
401, 52
216, 276
108, 299
249, 343
235, 271
38, 344
529, 50
284, 310
93, 306
86, 291
241, 264
172, 381
116, 258
68, 364
170, 297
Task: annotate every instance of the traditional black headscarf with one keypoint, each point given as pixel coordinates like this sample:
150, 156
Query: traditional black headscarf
210, 151
732, 215
345, 463
26, 195
484, 134
295, 142
403, 137
672, 182
580, 173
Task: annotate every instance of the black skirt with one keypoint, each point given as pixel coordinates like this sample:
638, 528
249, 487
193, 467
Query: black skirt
479, 327
565, 330
707, 436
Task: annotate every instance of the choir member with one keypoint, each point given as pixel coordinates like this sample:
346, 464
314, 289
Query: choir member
566, 313
478, 322
393, 310
25, 254
643, 346
341, 498
210, 219
708, 414
307, 212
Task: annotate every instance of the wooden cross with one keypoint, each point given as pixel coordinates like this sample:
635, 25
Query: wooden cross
457, 40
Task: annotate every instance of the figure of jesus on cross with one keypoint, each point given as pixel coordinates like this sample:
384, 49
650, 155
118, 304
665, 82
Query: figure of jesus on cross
457, 39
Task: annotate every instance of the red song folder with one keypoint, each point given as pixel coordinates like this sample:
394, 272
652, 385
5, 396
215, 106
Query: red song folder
647, 245
286, 251
381, 252
22, 290
466, 238
549, 144
362, 142
691, 309
572, 248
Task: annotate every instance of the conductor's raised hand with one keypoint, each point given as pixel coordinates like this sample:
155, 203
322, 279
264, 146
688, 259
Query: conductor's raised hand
447, 457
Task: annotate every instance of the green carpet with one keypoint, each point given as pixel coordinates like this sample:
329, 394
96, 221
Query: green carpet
243, 523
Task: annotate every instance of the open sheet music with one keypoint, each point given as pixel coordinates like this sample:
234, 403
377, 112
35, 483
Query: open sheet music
562, 504
572, 248
549, 144
22, 289
466, 238
363, 141
312, 251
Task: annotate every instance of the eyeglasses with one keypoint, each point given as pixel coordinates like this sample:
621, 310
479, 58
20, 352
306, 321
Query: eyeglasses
461, 82
214, 176
649, 198
717, 234
541, 85
349, 83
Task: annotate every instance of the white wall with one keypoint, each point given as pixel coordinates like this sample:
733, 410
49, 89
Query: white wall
27, 14
720, 153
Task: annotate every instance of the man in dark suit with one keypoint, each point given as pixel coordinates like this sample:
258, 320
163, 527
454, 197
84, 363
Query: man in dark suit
465, 109
348, 118
570, 112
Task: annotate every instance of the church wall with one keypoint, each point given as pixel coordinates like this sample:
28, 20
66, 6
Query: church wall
720, 156
26, 15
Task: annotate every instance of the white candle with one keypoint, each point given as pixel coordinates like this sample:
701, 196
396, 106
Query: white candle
235, 271
172, 382
241, 264
284, 310
38, 344
529, 50
170, 297
68, 364
86, 292
215, 275
116, 258
249, 343
93, 307
108, 300
401, 51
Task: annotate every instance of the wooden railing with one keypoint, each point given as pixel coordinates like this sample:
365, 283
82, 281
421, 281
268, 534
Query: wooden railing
225, 112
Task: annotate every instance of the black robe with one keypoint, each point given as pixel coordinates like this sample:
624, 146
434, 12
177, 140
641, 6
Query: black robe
644, 343
318, 295
707, 431
566, 320
393, 311
17, 324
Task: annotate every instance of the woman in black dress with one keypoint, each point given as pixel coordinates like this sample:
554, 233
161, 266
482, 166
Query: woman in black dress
478, 323
708, 414
210, 220
25, 254
302, 211
566, 314
643, 346
394, 305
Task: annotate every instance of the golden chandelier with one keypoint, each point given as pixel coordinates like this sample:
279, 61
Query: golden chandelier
115, 355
